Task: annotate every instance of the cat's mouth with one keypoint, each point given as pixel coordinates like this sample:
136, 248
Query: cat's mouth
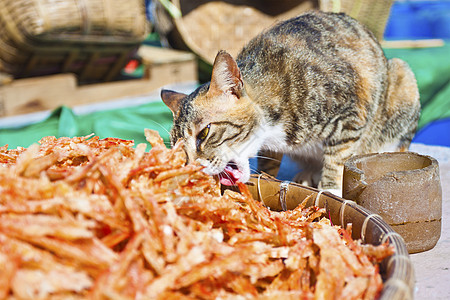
231, 174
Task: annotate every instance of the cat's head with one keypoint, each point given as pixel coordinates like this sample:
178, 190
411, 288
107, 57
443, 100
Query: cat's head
217, 122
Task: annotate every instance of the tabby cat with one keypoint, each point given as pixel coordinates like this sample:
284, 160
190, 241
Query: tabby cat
316, 87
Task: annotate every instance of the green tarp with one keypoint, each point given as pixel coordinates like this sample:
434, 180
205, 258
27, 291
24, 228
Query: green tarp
432, 69
126, 123
431, 66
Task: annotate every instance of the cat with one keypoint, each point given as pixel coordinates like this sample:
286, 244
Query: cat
316, 87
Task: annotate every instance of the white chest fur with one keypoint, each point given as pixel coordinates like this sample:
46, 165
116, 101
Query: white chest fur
273, 138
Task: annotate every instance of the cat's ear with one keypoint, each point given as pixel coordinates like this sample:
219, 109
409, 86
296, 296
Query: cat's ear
226, 77
172, 100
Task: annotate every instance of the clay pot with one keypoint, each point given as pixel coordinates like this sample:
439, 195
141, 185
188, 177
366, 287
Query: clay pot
404, 189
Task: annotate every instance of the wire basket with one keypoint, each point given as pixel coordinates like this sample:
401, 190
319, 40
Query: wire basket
373, 14
91, 38
206, 27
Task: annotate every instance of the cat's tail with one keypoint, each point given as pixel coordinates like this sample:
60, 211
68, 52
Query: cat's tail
402, 106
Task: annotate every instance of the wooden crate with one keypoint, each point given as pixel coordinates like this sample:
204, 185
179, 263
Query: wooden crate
162, 67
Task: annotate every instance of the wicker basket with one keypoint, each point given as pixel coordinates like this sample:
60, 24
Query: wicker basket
397, 270
373, 14
209, 26
92, 38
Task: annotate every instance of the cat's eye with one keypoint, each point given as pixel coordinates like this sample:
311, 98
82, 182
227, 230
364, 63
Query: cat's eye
202, 135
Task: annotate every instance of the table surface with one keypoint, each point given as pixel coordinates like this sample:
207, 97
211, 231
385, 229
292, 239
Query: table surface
432, 267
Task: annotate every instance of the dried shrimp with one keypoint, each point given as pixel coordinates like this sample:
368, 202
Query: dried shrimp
97, 218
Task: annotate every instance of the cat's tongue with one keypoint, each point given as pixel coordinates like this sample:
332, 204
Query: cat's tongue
230, 175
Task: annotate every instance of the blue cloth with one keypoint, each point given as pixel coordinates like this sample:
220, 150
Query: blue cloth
419, 20
435, 133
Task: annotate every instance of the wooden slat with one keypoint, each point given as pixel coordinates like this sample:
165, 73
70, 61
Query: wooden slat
114, 70
34, 59
88, 66
69, 61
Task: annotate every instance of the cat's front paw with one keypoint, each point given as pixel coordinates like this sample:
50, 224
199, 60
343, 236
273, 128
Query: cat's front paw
308, 178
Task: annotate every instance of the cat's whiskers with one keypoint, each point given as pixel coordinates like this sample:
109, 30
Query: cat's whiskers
225, 175
255, 171
267, 157
164, 129
160, 125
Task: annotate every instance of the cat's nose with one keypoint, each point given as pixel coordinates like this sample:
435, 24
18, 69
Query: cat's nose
210, 168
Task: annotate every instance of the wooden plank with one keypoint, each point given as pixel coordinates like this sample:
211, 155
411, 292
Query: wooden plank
35, 94
426, 43
49, 92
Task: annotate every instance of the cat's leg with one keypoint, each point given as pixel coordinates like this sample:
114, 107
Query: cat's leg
402, 107
334, 157
394, 130
269, 162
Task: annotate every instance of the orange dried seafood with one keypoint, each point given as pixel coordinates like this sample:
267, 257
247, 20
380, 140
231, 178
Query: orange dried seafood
96, 218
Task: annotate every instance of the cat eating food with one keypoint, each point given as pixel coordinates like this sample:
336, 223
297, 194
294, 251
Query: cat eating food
316, 87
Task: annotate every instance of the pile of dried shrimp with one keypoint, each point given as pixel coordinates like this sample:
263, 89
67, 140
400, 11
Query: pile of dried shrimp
96, 218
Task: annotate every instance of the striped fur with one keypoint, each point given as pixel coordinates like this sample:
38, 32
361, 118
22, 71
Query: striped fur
317, 87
